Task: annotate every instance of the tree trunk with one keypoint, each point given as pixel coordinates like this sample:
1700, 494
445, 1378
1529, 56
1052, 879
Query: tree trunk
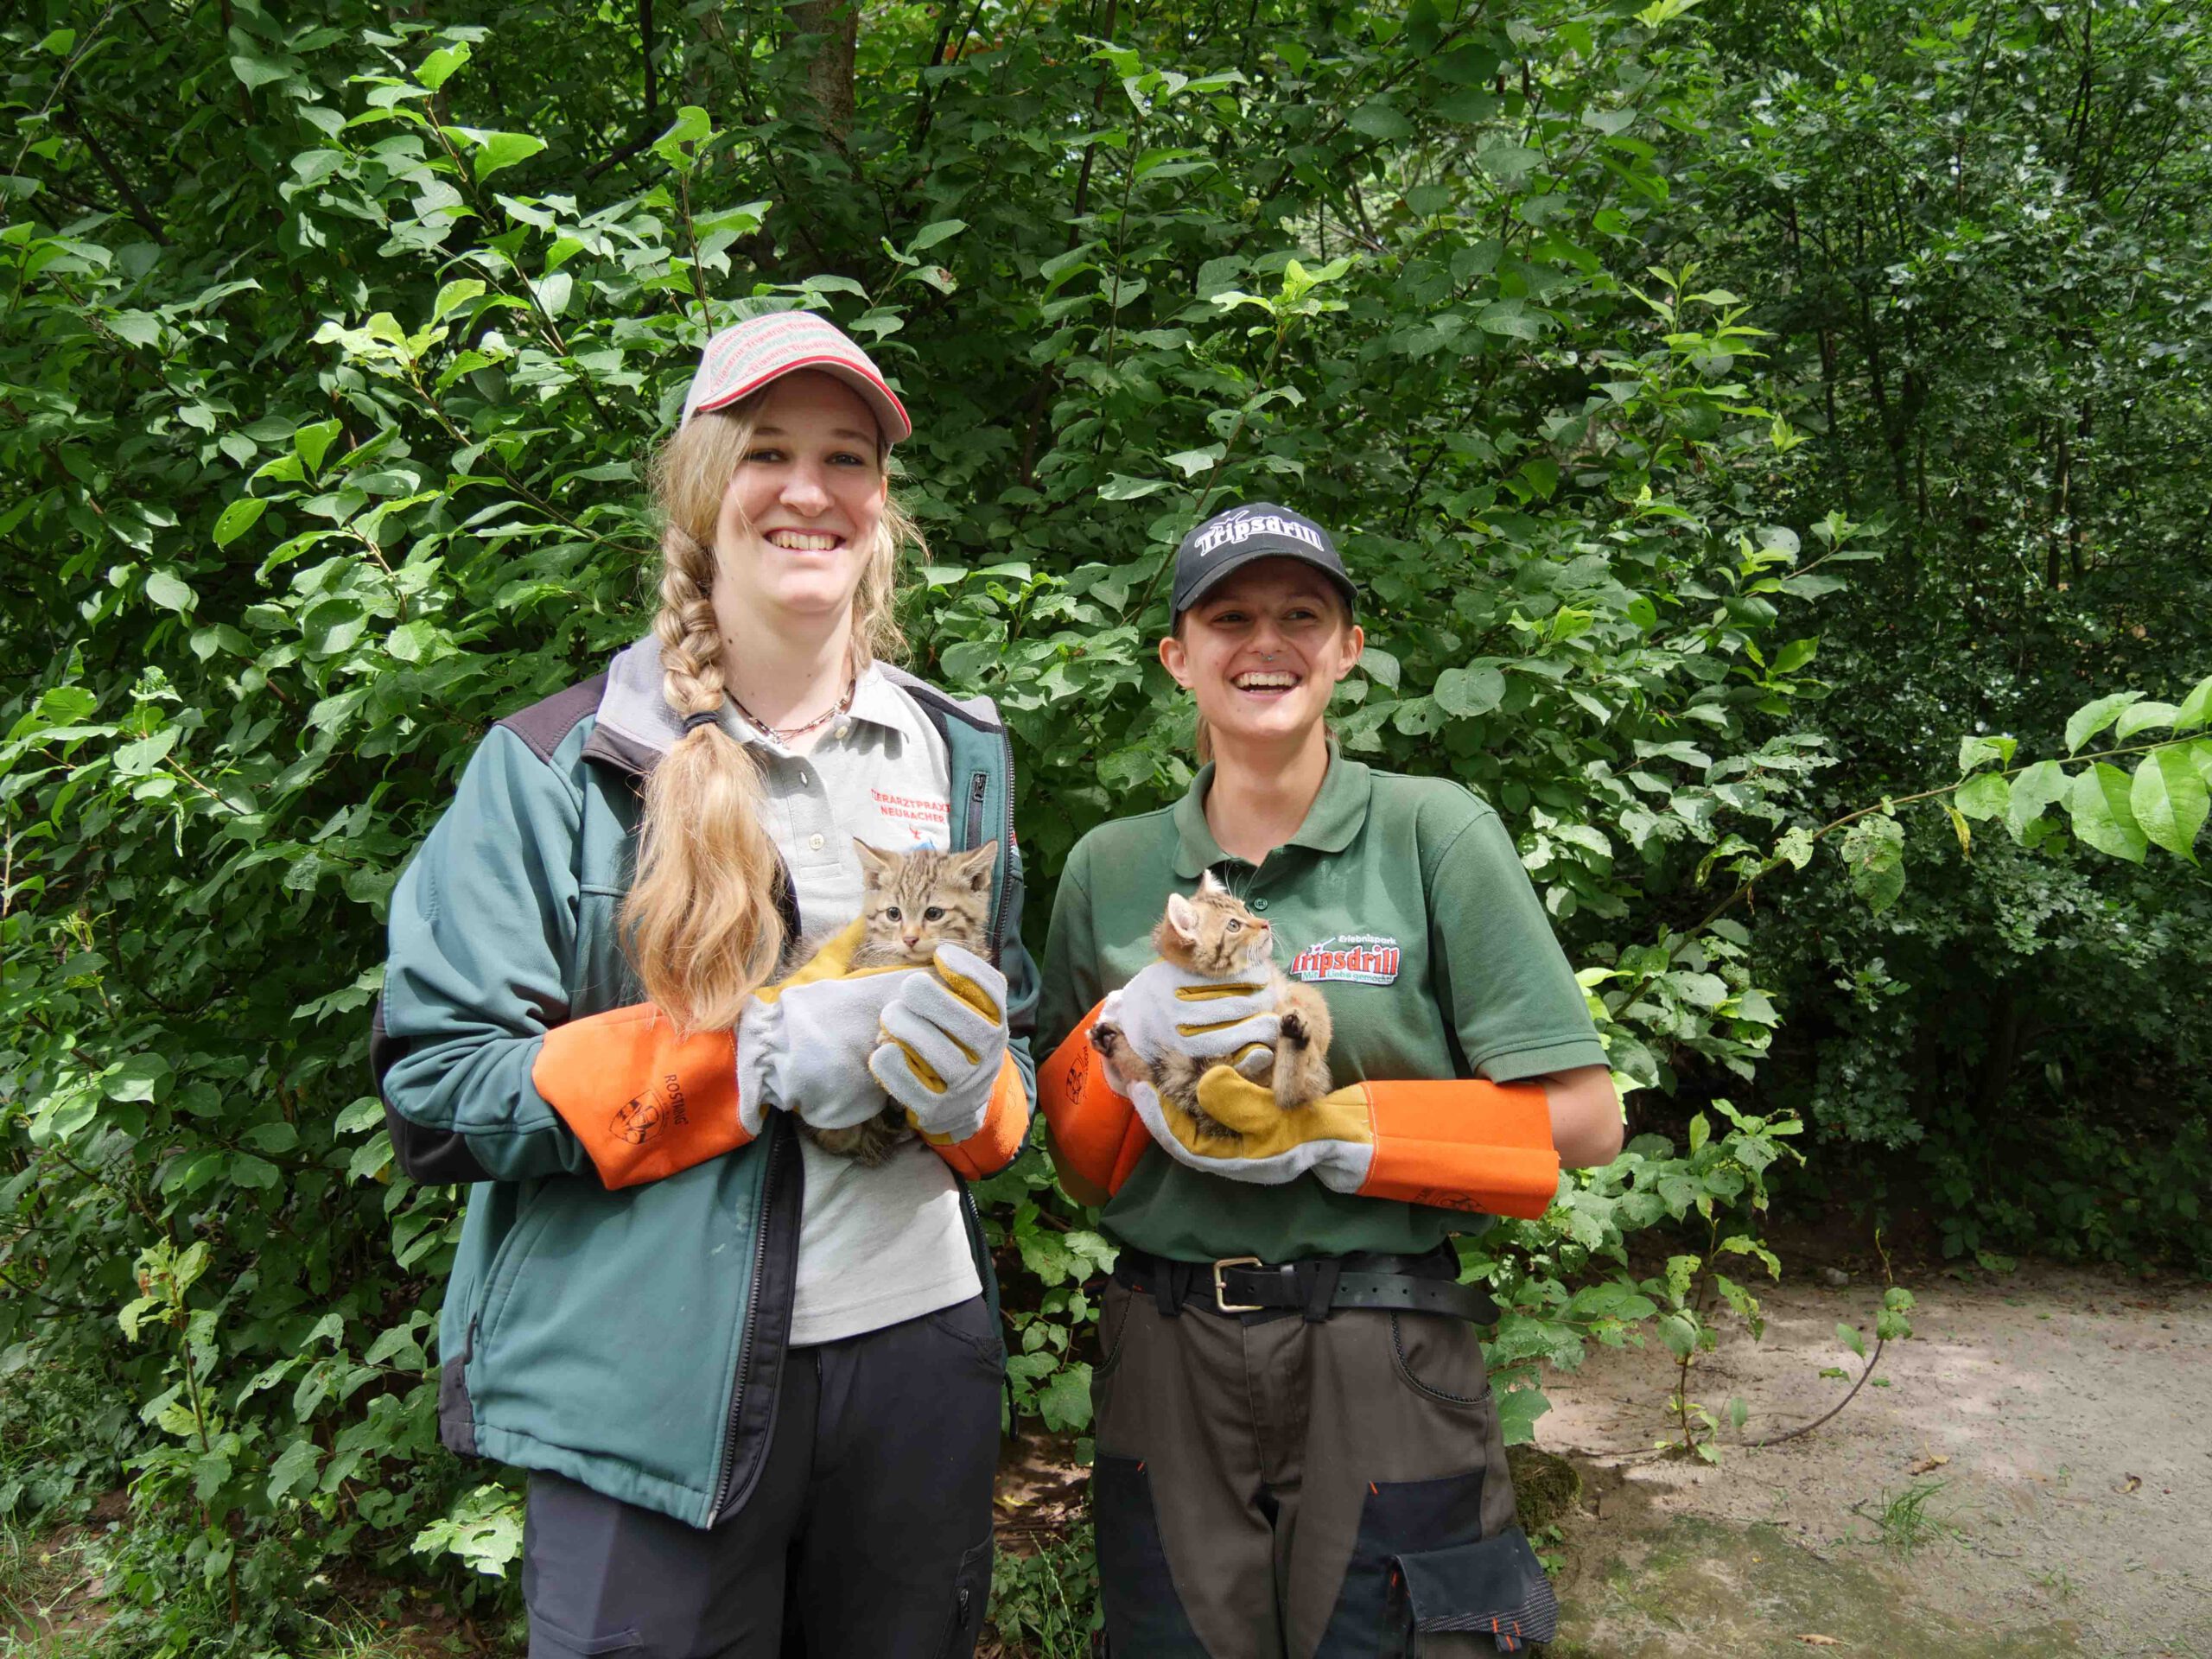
835, 25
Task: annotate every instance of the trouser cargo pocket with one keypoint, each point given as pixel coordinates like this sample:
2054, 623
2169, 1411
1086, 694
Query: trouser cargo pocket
1495, 1590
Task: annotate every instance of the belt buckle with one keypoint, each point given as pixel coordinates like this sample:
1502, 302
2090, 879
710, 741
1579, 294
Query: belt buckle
1221, 1289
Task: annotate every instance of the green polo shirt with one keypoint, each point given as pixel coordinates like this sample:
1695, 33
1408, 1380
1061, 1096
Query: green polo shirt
1404, 900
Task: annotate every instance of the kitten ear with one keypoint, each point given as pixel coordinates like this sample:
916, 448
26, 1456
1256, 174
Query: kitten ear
981, 865
874, 864
1183, 917
1208, 883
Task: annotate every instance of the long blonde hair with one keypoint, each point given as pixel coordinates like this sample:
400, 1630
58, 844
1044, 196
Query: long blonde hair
701, 921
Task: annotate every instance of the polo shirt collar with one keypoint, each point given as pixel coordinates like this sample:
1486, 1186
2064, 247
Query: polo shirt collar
1330, 822
875, 701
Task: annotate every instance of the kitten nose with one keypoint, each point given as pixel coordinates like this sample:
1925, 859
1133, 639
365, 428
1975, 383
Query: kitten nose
912, 939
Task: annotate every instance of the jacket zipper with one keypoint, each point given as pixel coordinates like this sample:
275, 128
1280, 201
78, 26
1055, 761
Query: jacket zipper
727, 1473
1006, 836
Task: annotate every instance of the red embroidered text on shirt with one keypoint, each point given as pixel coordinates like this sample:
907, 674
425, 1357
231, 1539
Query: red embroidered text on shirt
913, 809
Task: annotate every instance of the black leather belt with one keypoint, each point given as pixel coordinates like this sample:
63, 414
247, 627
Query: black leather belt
1244, 1285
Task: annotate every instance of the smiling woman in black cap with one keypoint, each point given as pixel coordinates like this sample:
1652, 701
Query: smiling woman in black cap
1298, 1450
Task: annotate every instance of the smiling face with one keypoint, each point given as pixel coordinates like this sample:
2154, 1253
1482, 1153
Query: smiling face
1262, 650
801, 514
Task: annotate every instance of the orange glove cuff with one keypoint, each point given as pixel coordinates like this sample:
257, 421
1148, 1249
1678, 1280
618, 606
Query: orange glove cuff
1095, 1129
1461, 1144
644, 1105
1006, 1126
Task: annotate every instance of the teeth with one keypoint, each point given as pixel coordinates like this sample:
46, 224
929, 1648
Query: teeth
1265, 682
800, 541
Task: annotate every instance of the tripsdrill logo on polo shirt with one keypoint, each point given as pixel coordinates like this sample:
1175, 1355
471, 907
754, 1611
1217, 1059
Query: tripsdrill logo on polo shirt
1244, 525
1357, 958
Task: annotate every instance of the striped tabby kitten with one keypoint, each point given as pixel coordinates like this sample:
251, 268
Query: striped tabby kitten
1213, 934
911, 903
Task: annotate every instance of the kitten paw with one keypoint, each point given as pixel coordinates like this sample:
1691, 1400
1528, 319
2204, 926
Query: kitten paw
1293, 1029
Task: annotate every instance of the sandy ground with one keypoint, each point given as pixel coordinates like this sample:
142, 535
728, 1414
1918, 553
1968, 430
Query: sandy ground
2073, 1411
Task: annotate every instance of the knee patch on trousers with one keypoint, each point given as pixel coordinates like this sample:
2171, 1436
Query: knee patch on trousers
1144, 1616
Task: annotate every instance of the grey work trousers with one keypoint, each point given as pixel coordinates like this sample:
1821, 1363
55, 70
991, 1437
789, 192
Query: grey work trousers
1260, 1479
868, 1536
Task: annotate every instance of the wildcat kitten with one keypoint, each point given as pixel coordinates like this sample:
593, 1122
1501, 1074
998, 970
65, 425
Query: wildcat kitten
1213, 934
911, 903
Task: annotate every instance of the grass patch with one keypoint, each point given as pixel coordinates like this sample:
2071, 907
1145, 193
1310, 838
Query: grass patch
1044, 1606
1906, 1521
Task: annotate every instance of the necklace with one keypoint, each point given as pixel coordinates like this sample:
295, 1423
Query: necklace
784, 734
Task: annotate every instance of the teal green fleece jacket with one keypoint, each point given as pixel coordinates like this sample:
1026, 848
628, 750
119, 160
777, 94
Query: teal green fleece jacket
630, 1337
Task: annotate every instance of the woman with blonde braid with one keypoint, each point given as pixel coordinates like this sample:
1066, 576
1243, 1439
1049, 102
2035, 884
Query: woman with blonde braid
756, 1383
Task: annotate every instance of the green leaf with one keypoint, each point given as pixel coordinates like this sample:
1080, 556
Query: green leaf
165, 590
1509, 163
239, 518
1467, 693
1120, 488
1508, 317
141, 1076
934, 234
436, 70
497, 151
2092, 718
1795, 655
2170, 801
1379, 119
2141, 717
2039, 786
294, 1471
258, 72
1978, 751
1985, 796
1518, 1410
2101, 814
312, 442
1873, 849
2195, 709
248, 1171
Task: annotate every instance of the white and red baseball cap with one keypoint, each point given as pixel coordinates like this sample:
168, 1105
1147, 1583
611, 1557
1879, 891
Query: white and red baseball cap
746, 356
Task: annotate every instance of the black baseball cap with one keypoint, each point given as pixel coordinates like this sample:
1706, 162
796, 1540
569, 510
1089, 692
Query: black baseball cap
1229, 540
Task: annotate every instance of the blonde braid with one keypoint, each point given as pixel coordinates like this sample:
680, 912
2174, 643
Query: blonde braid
701, 920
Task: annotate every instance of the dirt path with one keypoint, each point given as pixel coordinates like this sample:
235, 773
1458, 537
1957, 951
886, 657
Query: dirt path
2073, 1415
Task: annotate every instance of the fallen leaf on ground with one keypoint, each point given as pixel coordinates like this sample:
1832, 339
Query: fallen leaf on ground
2129, 1483
1921, 1465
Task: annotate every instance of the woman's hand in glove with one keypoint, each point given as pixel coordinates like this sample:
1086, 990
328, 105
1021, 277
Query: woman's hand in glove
1458, 1144
943, 1042
803, 1043
1167, 1009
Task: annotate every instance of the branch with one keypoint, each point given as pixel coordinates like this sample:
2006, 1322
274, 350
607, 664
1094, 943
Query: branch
116, 176
1806, 1428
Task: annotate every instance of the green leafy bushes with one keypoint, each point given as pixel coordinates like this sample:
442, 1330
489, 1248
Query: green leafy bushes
333, 349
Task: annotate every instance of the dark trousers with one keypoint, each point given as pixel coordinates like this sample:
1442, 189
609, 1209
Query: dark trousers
868, 1536
1258, 1481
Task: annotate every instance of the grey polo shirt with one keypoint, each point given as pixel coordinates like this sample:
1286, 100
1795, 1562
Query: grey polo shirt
876, 1246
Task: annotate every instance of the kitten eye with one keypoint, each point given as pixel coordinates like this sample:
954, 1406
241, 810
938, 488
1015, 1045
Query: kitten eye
1236, 927
934, 913
891, 912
